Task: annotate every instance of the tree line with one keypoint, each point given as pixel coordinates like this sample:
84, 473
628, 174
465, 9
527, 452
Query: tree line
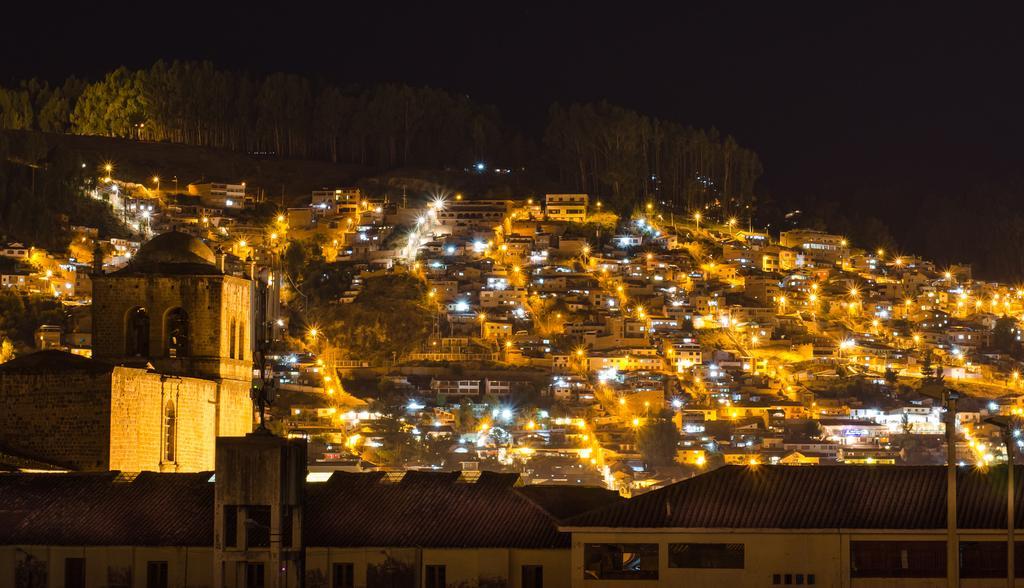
283, 115
597, 148
605, 149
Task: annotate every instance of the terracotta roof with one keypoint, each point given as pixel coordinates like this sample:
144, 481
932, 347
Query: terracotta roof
786, 497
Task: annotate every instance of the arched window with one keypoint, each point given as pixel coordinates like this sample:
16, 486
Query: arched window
231, 340
176, 333
136, 333
241, 340
170, 431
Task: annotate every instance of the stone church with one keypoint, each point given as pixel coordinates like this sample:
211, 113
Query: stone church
171, 371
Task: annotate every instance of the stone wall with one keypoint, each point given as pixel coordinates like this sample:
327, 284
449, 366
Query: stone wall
235, 409
211, 303
137, 421
61, 417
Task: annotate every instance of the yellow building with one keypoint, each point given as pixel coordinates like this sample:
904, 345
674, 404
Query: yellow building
842, 527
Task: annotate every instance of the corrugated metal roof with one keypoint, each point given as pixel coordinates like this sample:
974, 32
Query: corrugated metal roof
822, 497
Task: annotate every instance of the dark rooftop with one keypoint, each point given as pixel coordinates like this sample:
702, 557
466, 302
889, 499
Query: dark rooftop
52, 361
425, 509
823, 497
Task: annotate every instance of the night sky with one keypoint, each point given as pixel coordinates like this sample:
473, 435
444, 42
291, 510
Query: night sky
890, 103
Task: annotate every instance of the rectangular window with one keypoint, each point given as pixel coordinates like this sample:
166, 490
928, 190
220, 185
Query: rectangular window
533, 577
156, 574
254, 575
230, 526
435, 577
257, 526
344, 575
705, 555
74, 572
620, 561
987, 559
898, 559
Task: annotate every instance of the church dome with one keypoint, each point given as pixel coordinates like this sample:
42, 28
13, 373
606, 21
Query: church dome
174, 252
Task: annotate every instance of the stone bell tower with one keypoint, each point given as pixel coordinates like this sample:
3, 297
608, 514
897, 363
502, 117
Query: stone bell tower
174, 308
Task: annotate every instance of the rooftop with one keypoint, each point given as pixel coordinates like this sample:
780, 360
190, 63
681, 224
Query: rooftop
824, 497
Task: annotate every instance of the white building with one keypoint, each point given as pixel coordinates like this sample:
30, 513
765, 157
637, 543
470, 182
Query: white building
566, 207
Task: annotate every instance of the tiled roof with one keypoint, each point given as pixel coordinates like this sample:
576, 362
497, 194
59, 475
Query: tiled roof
94, 509
563, 502
363, 510
786, 497
426, 510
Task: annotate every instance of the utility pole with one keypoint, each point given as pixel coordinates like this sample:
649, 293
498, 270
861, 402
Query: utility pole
1011, 543
1008, 431
952, 542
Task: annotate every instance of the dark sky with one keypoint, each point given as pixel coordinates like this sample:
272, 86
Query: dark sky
836, 98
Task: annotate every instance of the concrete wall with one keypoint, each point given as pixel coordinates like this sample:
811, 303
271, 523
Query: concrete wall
826, 554
465, 568
190, 567
61, 417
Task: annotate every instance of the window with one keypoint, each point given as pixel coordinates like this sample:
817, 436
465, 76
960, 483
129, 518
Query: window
231, 340
170, 431
156, 574
136, 333
241, 341
231, 526
533, 576
987, 559
898, 559
982, 559
435, 577
257, 526
620, 561
254, 575
705, 555
344, 575
176, 333
74, 572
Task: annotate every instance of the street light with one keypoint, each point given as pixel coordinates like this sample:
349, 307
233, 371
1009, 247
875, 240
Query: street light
696, 217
